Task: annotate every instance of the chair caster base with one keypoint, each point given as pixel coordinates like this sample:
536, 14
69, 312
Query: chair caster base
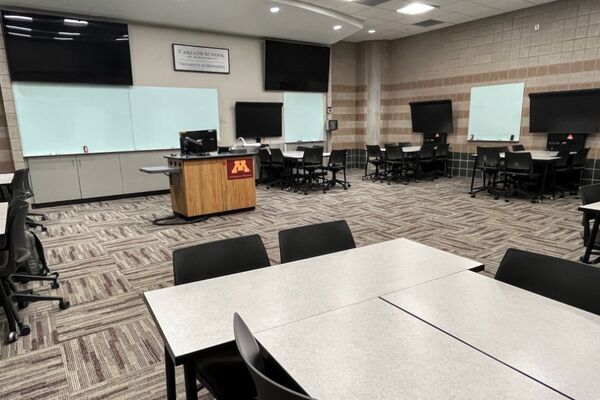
12, 337
63, 305
25, 330
55, 285
472, 196
22, 304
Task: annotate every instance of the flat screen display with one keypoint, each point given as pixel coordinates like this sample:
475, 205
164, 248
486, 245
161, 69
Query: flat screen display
575, 111
258, 120
50, 48
296, 67
432, 116
208, 137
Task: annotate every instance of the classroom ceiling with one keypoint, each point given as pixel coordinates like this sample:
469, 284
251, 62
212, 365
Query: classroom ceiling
306, 20
389, 24
295, 20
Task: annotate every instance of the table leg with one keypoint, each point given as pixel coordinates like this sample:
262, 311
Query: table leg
591, 241
189, 371
544, 176
170, 376
473, 177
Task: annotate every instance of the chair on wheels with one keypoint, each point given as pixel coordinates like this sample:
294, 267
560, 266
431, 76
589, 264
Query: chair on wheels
562, 168
314, 240
336, 165
569, 282
425, 160
442, 157
278, 167
12, 259
271, 381
311, 165
578, 165
518, 170
395, 164
21, 188
222, 366
488, 162
518, 147
266, 166
590, 194
375, 158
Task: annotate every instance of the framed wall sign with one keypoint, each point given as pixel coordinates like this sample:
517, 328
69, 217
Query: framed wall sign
200, 59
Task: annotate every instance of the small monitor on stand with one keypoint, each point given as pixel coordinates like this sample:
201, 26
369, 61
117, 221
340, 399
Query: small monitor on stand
437, 138
198, 143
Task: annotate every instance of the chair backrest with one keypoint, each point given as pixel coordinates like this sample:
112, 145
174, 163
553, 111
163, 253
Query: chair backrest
590, 194
277, 156
442, 150
264, 156
19, 186
302, 148
318, 146
488, 157
18, 243
569, 282
373, 151
313, 156
564, 155
393, 152
314, 240
427, 150
580, 157
518, 147
337, 157
267, 386
518, 162
404, 144
220, 258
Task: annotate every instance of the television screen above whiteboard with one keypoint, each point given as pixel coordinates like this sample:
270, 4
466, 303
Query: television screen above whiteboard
495, 112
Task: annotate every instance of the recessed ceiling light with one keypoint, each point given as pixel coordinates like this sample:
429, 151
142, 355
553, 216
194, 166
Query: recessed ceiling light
274, 10
337, 27
415, 8
18, 28
69, 33
75, 22
18, 34
372, 30
18, 18
62, 38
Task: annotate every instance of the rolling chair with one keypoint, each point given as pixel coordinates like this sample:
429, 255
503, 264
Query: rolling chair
425, 160
222, 365
335, 165
266, 165
21, 188
442, 157
395, 164
578, 165
569, 282
270, 379
12, 258
311, 165
518, 169
488, 162
589, 194
562, 168
278, 167
518, 147
314, 240
375, 158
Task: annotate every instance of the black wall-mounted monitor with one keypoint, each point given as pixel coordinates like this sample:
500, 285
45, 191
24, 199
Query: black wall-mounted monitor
208, 138
258, 120
296, 67
576, 111
65, 49
432, 116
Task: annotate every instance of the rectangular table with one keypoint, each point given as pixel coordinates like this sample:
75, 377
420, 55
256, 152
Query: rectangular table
373, 350
592, 209
297, 155
194, 317
551, 342
6, 179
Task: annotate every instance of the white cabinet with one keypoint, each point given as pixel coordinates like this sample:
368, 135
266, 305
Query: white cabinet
99, 175
54, 179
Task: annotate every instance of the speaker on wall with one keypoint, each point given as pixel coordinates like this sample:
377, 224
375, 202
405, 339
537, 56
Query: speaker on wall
332, 125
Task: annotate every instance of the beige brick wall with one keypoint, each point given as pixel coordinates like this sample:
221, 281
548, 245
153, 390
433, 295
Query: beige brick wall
9, 135
562, 55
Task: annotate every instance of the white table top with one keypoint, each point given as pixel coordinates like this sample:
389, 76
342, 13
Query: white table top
299, 154
592, 207
199, 315
409, 149
6, 179
3, 217
536, 155
554, 343
373, 350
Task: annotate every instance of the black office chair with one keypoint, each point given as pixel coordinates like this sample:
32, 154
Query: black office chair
405, 144
442, 158
271, 381
488, 162
266, 166
336, 165
375, 158
518, 171
221, 371
302, 148
562, 170
312, 168
589, 194
21, 188
314, 240
395, 164
578, 165
278, 167
425, 160
569, 282
518, 147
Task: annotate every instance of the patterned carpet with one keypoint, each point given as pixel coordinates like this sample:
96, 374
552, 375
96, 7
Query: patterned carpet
106, 346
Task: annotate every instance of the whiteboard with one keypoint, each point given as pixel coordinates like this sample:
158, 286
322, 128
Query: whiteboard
304, 116
61, 119
56, 119
160, 113
495, 112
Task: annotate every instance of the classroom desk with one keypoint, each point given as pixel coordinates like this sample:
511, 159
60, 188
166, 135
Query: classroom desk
5, 183
551, 342
592, 209
194, 317
373, 350
297, 155
409, 149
